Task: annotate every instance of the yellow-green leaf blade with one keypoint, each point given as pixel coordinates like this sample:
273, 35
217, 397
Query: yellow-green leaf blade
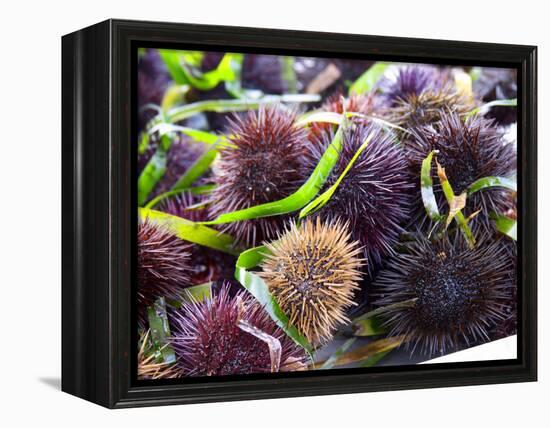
190, 231
299, 198
426, 188
367, 81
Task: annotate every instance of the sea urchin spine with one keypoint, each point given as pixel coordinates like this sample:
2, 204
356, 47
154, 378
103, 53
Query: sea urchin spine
149, 367
312, 272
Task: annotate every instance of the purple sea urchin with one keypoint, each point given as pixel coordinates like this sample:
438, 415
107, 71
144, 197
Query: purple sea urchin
374, 197
226, 335
419, 95
468, 150
455, 294
162, 264
266, 164
508, 326
411, 81
312, 272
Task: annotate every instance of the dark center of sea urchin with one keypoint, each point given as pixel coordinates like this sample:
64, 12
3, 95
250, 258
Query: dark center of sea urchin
375, 195
210, 340
445, 292
455, 294
265, 164
468, 150
312, 272
163, 264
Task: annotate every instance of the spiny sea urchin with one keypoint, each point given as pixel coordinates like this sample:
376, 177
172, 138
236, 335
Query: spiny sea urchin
410, 81
162, 264
226, 335
468, 150
312, 272
374, 196
266, 164
451, 294
419, 95
264, 73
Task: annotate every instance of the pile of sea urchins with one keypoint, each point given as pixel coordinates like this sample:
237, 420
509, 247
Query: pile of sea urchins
371, 244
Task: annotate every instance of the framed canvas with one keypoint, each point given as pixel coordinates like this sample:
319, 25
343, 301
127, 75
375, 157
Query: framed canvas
253, 213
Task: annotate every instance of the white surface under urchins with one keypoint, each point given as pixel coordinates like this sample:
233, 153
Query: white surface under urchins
31, 109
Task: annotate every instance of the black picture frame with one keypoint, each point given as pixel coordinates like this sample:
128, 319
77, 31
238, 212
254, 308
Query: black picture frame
98, 212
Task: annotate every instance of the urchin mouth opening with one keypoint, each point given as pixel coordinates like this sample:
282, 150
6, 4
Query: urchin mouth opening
461, 169
446, 295
312, 274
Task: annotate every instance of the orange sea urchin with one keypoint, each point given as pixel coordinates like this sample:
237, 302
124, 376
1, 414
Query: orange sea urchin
312, 273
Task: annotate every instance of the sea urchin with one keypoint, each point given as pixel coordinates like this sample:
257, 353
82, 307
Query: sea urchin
468, 150
374, 196
226, 335
266, 164
410, 81
444, 293
312, 273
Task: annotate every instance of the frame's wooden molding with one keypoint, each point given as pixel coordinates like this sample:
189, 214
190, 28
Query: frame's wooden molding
99, 213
